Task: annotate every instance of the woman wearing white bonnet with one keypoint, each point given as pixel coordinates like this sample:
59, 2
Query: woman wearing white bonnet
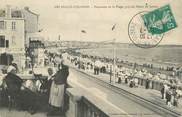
11, 69
13, 83
57, 91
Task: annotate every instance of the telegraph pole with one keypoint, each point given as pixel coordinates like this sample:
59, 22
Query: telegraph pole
114, 55
82, 31
114, 60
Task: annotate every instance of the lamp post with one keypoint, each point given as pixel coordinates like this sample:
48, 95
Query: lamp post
114, 54
114, 60
110, 74
82, 31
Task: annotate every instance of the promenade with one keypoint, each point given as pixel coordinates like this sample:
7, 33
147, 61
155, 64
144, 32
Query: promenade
94, 84
150, 95
125, 106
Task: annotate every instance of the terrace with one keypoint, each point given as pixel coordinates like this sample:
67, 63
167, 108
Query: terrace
81, 104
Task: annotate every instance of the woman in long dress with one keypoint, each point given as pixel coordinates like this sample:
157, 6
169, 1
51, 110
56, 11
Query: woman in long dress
57, 92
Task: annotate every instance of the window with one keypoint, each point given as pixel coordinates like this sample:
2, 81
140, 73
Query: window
2, 25
16, 14
13, 25
13, 40
2, 41
7, 43
6, 59
2, 13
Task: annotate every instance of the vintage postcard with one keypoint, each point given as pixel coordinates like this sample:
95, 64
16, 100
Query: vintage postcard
90, 58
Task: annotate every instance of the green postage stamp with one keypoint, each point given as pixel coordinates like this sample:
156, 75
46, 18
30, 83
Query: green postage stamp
160, 20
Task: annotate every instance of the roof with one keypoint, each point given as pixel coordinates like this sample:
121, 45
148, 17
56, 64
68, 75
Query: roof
27, 9
15, 12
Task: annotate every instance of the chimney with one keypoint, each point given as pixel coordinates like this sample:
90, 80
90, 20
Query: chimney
26, 8
8, 11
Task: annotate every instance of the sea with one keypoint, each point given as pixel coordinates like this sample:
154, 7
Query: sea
169, 55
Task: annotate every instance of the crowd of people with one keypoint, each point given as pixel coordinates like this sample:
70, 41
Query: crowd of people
131, 75
26, 94
87, 62
171, 94
37, 92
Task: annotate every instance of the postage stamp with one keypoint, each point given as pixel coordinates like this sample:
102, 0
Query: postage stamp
146, 29
160, 20
139, 34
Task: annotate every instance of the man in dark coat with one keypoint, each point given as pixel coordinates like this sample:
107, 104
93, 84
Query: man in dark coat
147, 83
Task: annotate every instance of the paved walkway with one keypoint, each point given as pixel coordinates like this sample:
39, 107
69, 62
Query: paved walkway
148, 94
126, 106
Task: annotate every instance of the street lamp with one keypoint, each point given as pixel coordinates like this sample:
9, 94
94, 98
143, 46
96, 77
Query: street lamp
114, 55
82, 31
114, 60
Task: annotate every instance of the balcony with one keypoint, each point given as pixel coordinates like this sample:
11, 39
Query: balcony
81, 104
11, 50
2, 50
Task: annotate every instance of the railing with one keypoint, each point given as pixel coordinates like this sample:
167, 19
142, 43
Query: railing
152, 84
4, 49
88, 109
85, 104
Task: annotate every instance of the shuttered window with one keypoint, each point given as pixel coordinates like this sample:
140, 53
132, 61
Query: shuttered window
7, 43
1, 24
2, 41
13, 25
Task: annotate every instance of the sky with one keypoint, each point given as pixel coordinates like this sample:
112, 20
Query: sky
97, 22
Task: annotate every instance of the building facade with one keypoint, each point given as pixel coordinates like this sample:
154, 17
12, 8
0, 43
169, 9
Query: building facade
31, 25
17, 28
12, 37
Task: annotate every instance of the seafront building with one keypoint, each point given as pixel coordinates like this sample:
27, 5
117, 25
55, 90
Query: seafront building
12, 36
34, 41
17, 28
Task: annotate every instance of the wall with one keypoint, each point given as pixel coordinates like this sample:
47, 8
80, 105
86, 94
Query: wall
31, 24
31, 21
15, 37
